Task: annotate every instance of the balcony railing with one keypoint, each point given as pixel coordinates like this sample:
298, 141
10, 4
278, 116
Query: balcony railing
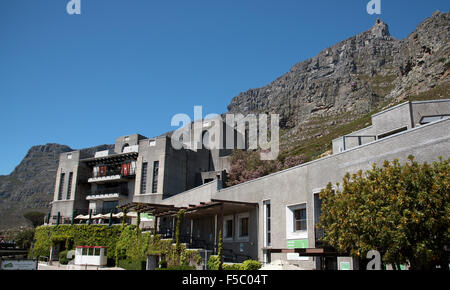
119, 189
113, 172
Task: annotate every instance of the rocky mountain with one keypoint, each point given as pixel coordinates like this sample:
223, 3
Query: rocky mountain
31, 185
357, 74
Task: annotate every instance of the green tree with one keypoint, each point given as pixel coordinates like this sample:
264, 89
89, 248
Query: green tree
402, 211
36, 218
24, 237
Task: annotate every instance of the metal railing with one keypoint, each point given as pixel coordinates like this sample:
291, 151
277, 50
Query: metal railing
112, 172
119, 189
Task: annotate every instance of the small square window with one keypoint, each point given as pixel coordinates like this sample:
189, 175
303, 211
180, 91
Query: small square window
300, 220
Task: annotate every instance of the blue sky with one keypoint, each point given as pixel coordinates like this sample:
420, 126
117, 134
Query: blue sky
128, 66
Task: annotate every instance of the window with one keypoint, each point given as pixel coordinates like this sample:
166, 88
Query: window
61, 186
392, 132
144, 177
243, 227
228, 227
267, 227
69, 189
155, 177
300, 220
430, 119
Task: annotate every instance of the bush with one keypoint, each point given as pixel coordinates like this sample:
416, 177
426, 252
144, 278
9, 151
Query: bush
163, 264
178, 268
232, 267
213, 262
63, 260
251, 265
132, 265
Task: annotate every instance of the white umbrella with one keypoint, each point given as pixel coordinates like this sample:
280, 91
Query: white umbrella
82, 217
118, 215
97, 216
132, 214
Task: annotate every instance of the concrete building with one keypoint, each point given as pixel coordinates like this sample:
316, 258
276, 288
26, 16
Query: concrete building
270, 218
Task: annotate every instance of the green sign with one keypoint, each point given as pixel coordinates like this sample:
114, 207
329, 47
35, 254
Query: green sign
297, 244
344, 265
146, 217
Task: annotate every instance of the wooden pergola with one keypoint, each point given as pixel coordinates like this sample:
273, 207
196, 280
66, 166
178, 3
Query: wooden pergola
216, 208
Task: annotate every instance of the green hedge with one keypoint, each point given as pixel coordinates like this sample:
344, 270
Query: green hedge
131, 265
76, 235
213, 264
126, 244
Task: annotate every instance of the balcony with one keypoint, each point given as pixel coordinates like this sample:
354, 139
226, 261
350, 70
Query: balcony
113, 193
111, 174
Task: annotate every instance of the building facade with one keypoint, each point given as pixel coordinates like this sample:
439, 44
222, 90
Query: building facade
269, 218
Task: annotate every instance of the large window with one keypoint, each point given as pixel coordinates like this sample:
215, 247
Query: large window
155, 177
144, 177
61, 186
267, 227
69, 189
300, 220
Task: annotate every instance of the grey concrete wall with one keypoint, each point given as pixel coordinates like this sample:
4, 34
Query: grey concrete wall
297, 185
77, 198
429, 108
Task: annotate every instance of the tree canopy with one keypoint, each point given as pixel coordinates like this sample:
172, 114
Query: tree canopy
400, 210
35, 217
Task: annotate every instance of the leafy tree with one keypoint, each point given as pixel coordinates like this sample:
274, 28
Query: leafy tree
36, 218
402, 211
24, 237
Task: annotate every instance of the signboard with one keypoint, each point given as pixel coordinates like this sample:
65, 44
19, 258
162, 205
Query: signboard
344, 266
145, 217
18, 265
297, 244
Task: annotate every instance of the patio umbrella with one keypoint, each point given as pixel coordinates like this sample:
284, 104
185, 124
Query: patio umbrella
132, 214
118, 215
97, 216
81, 217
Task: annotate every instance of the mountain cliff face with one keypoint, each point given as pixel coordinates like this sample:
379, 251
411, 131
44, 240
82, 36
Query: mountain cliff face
356, 74
31, 185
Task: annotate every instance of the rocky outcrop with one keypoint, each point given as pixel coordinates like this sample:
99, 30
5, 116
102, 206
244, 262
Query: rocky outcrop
356, 74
